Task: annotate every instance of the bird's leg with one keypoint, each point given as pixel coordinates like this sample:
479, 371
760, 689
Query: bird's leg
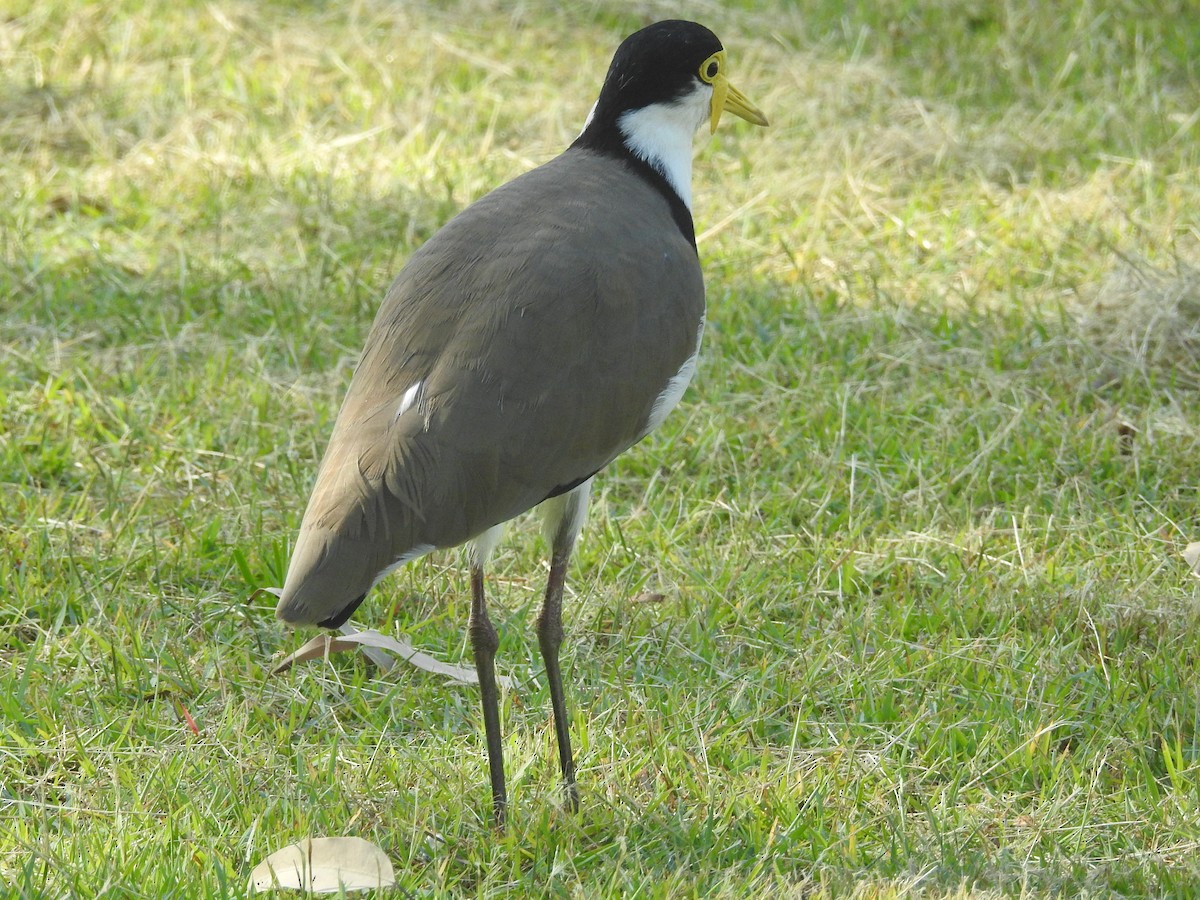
550, 635
484, 642
564, 518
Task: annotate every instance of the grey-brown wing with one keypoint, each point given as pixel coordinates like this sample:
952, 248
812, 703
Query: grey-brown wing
520, 351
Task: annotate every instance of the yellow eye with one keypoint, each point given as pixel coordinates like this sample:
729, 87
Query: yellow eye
711, 67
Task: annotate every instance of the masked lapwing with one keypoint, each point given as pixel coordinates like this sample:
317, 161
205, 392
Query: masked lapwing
542, 332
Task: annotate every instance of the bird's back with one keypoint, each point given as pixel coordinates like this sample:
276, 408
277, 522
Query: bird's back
521, 349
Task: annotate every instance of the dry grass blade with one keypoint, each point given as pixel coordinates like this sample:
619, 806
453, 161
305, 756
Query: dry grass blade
325, 866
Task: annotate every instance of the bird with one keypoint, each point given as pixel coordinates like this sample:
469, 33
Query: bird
540, 333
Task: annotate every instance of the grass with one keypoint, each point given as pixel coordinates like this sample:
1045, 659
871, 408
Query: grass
891, 606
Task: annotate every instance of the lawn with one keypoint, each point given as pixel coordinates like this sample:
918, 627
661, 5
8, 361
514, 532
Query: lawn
894, 604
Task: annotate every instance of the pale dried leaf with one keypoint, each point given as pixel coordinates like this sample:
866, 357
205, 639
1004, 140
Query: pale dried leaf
325, 866
1191, 555
324, 644
382, 661
316, 648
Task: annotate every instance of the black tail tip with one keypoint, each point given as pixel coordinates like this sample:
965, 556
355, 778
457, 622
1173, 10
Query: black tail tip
292, 612
338, 619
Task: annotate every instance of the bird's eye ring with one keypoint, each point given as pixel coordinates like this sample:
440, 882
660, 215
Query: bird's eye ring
711, 68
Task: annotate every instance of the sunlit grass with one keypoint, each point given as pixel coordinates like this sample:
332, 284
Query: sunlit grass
891, 606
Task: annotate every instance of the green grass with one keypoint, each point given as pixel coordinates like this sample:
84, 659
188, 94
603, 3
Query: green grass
891, 606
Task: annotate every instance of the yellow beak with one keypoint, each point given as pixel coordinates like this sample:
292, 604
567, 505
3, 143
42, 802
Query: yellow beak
727, 97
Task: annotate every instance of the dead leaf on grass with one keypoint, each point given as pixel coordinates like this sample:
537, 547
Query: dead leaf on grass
324, 644
325, 866
1191, 555
650, 597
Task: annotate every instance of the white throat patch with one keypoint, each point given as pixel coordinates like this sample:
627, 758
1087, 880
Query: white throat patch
662, 133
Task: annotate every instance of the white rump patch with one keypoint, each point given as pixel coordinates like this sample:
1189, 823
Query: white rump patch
563, 516
676, 385
483, 544
409, 398
662, 133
